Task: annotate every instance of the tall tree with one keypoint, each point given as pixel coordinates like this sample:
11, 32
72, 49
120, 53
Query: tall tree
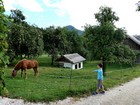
17, 15
103, 38
3, 34
24, 40
54, 41
16, 34
74, 41
3, 46
15, 39
106, 15
138, 6
34, 41
59, 41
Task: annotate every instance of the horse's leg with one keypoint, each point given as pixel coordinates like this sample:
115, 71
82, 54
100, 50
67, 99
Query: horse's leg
21, 72
36, 72
25, 73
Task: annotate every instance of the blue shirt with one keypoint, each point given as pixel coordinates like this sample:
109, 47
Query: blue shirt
99, 74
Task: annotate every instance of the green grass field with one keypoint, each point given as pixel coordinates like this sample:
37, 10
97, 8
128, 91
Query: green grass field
54, 83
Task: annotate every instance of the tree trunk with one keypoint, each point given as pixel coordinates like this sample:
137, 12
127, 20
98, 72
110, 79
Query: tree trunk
52, 60
20, 56
104, 67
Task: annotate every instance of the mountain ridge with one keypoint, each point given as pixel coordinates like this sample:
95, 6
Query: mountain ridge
70, 27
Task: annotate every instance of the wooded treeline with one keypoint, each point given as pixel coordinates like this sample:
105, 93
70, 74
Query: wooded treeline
103, 41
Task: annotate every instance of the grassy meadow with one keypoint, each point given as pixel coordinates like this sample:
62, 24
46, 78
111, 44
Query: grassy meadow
56, 83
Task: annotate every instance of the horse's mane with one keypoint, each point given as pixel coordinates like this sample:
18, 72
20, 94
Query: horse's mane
18, 65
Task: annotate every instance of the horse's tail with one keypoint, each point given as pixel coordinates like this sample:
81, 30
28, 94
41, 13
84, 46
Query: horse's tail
36, 63
36, 68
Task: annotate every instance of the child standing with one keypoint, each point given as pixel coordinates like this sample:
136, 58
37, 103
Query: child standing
100, 80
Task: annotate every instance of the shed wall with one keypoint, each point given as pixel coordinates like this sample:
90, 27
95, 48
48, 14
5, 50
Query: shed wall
78, 65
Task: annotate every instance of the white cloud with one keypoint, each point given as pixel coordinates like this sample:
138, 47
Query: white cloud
9, 4
31, 5
82, 12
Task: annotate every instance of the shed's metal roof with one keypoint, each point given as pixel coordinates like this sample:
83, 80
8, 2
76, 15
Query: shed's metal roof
135, 38
74, 58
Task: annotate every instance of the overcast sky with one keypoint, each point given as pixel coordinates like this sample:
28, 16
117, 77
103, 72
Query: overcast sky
45, 13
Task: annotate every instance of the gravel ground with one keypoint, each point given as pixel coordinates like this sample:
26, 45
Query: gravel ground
127, 94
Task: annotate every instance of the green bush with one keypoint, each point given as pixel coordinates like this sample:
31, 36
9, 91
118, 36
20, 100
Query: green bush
3, 89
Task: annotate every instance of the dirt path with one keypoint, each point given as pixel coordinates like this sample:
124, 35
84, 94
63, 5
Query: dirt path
127, 94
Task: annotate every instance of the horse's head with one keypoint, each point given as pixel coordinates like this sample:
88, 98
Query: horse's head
14, 73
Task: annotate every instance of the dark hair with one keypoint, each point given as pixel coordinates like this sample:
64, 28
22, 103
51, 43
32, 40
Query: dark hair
100, 65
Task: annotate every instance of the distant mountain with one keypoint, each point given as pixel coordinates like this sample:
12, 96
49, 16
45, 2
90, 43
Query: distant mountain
70, 27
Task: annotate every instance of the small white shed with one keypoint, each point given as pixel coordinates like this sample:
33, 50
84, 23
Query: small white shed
73, 61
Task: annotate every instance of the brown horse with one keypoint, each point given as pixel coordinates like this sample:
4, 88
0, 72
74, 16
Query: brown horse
25, 64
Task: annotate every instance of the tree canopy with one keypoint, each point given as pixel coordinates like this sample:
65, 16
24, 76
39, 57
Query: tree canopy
98, 42
138, 6
24, 39
59, 41
3, 35
3, 47
106, 15
104, 39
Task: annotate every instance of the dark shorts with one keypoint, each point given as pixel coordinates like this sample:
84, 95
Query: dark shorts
100, 84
